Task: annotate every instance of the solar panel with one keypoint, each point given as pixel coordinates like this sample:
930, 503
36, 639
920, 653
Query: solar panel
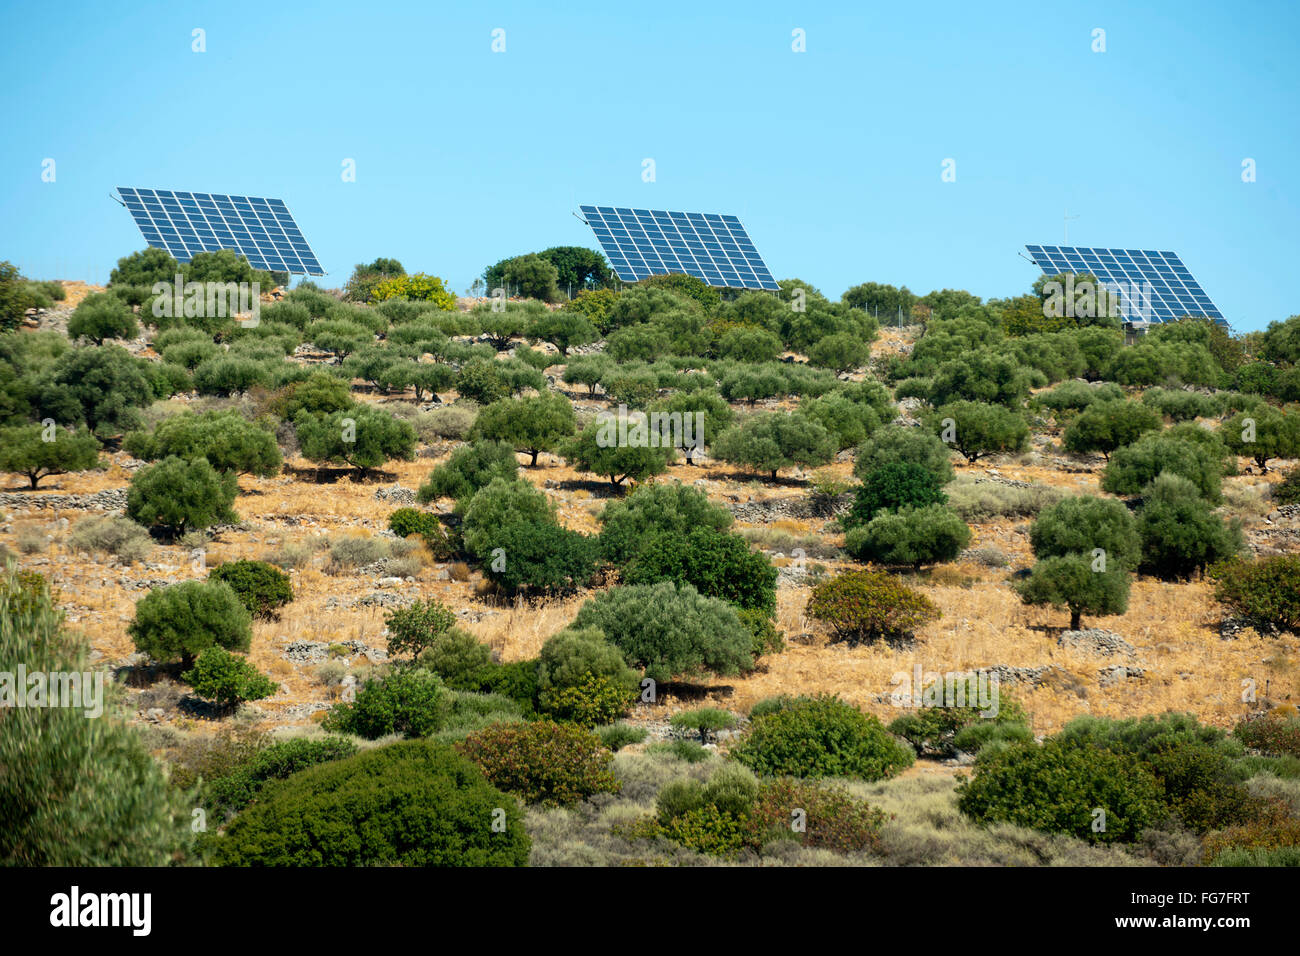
1150, 286
644, 242
262, 230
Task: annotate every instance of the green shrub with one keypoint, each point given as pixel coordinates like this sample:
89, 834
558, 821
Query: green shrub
582, 678
516, 680
413, 629
229, 374
470, 468
1076, 395
716, 564
1057, 788
407, 804
1135, 466
913, 536
1194, 764
691, 751
363, 438
456, 656
237, 788
263, 589
1288, 491
980, 429
618, 736
1081, 525
1266, 590
973, 738
405, 522
183, 620
227, 440
1073, 581
541, 557
706, 829
893, 486
471, 712
529, 425
409, 702
651, 510
709, 817
848, 420
1179, 531
937, 729
592, 701
765, 638
227, 679
542, 762
863, 606
29, 450
100, 316
320, 393
670, 631
821, 737
181, 495
770, 441
1181, 405
897, 443
1107, 425
496, 507
75, 791
596, 449
706, 721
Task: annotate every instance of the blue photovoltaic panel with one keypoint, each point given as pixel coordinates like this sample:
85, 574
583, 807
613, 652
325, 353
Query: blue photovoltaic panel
183, 223
644, 242
1151, 286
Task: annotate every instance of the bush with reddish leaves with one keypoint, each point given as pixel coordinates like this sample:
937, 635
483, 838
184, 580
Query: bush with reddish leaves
1272, 828
867, 605
543, 762
1274, 736
831, 818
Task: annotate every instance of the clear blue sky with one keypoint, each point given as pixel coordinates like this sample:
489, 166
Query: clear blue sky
832, 157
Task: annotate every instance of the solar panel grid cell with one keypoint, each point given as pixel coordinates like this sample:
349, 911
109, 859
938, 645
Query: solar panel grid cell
1167, 288
709, 246
183, 223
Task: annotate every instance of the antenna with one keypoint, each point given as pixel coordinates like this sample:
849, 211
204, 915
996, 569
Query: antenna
1066, 223
581, 220
117, 200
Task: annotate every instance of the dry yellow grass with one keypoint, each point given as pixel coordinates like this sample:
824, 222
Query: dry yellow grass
1172, 626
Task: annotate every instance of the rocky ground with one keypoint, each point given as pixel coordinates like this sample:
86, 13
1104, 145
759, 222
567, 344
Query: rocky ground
1171, 650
